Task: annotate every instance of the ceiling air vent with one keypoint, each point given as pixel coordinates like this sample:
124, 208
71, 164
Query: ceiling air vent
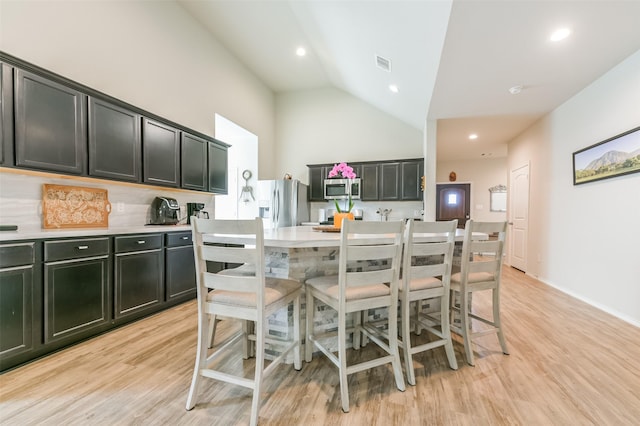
383, 63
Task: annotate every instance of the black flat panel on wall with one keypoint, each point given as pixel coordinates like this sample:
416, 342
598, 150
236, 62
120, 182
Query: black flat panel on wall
114, 141
50, 125
194, 162
161, 153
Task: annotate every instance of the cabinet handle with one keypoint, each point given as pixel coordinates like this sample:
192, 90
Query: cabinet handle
141, 241
83, 247
185, 238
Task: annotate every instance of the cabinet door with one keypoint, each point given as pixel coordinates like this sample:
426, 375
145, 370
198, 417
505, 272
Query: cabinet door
77, 297
6, 115
180, 273
194, 162
317, 175
218, 166
411, 172
369, 179
139, 282
389, 181
50, 125
16, 318
161, 153
20, 302
114, 142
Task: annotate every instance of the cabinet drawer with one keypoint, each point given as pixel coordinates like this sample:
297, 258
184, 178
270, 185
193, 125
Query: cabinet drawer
176, 239
138, 242
17, 254
74, 249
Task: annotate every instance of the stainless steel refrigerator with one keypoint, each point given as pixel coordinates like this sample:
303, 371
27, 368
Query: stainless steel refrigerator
282, 202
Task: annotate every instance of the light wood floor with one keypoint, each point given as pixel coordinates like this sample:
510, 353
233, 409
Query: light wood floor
570, 364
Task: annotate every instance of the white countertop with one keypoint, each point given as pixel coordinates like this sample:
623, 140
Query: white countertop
36, 234
306, 236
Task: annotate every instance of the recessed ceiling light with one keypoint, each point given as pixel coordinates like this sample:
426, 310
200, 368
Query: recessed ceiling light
560, 34
393, 88
473, 136
301, 51
515, 89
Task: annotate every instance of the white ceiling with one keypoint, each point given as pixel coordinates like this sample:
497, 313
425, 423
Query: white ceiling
452, 61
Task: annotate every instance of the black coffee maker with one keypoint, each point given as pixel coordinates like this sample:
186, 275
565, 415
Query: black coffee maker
195, 209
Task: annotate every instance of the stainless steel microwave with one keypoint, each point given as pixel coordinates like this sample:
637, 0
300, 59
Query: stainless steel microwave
340, 189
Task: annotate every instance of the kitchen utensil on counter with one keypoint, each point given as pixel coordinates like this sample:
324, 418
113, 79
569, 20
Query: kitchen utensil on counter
164, 211
196, 209
322, 215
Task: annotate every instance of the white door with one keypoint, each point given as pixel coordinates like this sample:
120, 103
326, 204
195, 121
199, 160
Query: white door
519, 214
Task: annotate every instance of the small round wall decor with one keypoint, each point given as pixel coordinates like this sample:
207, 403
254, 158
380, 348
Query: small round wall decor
452, 177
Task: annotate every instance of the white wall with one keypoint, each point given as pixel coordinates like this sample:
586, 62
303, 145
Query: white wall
482, 174
151, 54
329, 126
587, 235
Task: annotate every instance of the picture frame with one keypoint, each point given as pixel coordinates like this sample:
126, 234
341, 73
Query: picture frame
613, 157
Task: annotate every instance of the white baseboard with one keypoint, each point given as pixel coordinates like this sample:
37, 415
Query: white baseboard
619, 315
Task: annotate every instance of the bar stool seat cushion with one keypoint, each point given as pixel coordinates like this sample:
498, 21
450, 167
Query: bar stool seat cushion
474, 277
329, 286
275, 289
423, 283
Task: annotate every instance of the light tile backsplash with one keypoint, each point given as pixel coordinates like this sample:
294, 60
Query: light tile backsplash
21, 200
399, 209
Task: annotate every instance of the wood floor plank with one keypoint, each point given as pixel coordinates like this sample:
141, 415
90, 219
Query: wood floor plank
570, 364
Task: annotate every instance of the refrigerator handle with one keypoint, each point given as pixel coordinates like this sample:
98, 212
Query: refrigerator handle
277, 208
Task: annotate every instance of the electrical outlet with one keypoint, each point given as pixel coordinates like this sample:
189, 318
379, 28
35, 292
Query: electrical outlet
120, 207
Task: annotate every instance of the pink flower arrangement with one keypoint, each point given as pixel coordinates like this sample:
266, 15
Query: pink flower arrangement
344, 171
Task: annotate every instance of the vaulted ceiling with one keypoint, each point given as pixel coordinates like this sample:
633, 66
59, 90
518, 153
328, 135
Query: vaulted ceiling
452, 61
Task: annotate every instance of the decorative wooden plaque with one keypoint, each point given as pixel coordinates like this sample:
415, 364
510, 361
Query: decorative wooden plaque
74, 207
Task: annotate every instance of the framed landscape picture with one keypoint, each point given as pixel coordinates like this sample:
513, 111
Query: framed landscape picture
616, 156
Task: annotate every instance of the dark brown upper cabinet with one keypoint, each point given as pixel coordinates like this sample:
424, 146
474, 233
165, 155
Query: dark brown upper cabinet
114, 142
161, 153
6, 115
411, 172
194, 162
389, 181
218, 166
369, 179
50, 125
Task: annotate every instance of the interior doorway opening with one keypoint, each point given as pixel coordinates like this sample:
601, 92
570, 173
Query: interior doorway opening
240, 203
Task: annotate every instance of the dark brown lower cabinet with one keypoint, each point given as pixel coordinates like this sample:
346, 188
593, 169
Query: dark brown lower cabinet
77, 289
180, 268
138, 275
54, 293
20, 323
